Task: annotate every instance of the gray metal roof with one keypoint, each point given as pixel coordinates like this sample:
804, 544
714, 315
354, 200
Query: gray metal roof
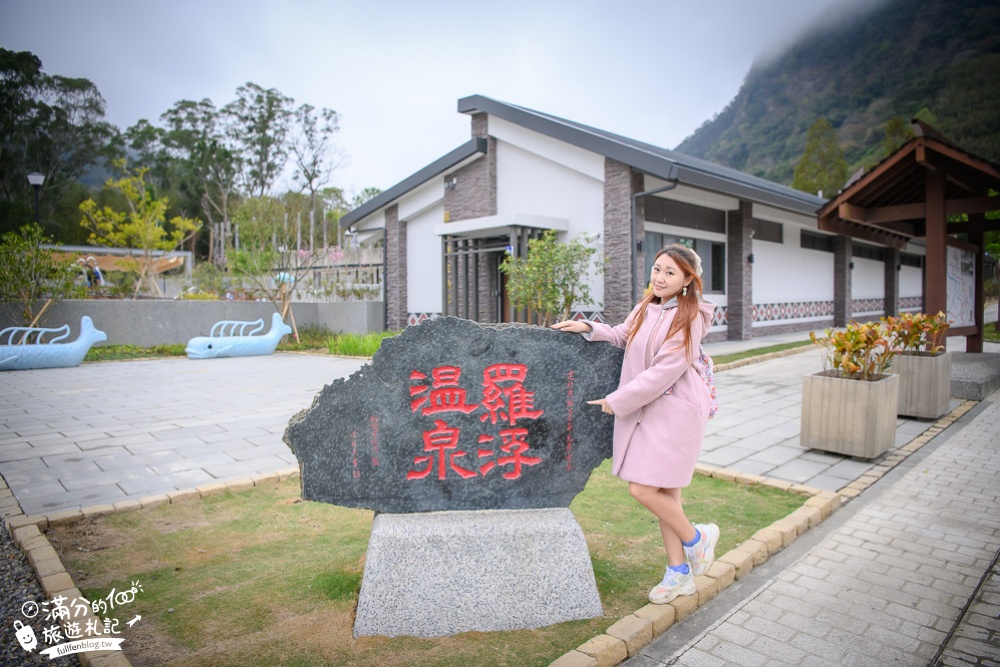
653, 160
439, 166
649, 159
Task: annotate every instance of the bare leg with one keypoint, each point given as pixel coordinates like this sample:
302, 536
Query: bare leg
665, 504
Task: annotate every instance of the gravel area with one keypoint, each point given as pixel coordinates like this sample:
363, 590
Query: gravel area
18, 584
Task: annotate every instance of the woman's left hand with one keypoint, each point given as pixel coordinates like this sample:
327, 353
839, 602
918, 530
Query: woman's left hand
573, 326
603, 402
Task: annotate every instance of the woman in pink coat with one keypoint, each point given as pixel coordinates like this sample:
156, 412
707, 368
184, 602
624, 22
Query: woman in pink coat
661, 408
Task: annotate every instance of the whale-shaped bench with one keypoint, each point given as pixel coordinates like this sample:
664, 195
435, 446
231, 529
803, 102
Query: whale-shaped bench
232, 338
18, 354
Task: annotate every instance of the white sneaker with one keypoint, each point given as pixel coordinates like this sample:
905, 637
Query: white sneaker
674, 583
702, 554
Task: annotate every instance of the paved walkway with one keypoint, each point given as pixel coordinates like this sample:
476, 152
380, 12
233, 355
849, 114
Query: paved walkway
110, 432
905, 574
883, 581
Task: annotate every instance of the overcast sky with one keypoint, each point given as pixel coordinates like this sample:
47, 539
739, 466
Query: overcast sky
652, 70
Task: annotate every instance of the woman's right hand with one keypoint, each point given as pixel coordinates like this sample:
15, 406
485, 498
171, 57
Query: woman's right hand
572, 326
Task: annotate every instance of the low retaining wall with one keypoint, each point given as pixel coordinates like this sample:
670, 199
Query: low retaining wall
147, 322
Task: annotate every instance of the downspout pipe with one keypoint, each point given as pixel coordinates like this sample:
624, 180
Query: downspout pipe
636, 242
385, 279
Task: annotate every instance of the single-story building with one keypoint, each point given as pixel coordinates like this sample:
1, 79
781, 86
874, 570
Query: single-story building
767, 266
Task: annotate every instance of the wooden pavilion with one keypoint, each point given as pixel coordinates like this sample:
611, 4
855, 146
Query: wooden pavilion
932, 190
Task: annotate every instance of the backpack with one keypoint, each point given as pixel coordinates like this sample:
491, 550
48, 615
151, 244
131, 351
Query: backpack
708, 377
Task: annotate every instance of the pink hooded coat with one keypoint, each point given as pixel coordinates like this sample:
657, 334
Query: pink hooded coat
657, 436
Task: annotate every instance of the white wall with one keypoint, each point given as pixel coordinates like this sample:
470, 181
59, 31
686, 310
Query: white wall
423, 262
911, 281
538, 175
868, 279
788, 273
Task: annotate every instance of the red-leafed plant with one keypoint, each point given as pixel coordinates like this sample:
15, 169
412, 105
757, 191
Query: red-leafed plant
862, 351
919, 333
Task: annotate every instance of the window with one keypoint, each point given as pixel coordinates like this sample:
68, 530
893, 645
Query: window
864, 251
712, 253
813, 241
906, 259
764, 230
679, 214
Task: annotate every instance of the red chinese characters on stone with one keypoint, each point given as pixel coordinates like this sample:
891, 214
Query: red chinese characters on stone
373, 422
504, 398
439, 442
515, 445
569, 421
504, 394
444, 394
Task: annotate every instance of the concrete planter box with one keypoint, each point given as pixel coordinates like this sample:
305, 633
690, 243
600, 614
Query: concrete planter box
851, 417
924, 384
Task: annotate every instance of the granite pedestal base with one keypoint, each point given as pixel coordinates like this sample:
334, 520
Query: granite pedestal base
441, 573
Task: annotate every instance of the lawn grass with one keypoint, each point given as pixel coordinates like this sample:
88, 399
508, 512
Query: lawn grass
357, 345
127, 352
758, 351
990, 332
311, 339
261, 577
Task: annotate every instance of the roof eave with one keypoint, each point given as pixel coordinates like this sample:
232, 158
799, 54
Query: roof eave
476, 145
644, 161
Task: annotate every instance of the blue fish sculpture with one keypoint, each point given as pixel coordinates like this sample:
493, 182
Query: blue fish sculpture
230, 338
18, 355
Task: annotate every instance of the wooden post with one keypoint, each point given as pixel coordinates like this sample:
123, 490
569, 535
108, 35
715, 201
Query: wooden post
974, 343
936, 294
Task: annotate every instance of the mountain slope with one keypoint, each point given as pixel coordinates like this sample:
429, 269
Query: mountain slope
900, 58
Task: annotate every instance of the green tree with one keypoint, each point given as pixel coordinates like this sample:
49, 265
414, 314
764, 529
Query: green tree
259, 123
142, 225
197, 137
551, 278
313, 153
29, 273
822, 167
897, 133
50, 124
276, 251
365, 196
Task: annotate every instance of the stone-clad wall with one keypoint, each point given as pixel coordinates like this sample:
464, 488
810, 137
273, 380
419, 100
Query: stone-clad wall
474, 194
395, 269
620, 183
739, 276
842, 306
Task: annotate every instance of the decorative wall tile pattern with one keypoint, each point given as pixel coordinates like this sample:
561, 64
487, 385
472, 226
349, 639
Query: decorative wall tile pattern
417, 318
865, 306
769, 312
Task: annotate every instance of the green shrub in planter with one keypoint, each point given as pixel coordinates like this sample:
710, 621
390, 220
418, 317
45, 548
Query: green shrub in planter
923, 364
850, 407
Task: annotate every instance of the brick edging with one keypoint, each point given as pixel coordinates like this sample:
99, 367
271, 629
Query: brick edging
26, 532
628, 635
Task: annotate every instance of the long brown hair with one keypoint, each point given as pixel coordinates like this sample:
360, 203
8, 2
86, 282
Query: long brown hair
687, 305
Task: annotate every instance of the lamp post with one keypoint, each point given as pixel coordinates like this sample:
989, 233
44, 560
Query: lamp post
36, 181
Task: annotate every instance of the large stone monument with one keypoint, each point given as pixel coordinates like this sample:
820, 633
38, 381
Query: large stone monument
469, 441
